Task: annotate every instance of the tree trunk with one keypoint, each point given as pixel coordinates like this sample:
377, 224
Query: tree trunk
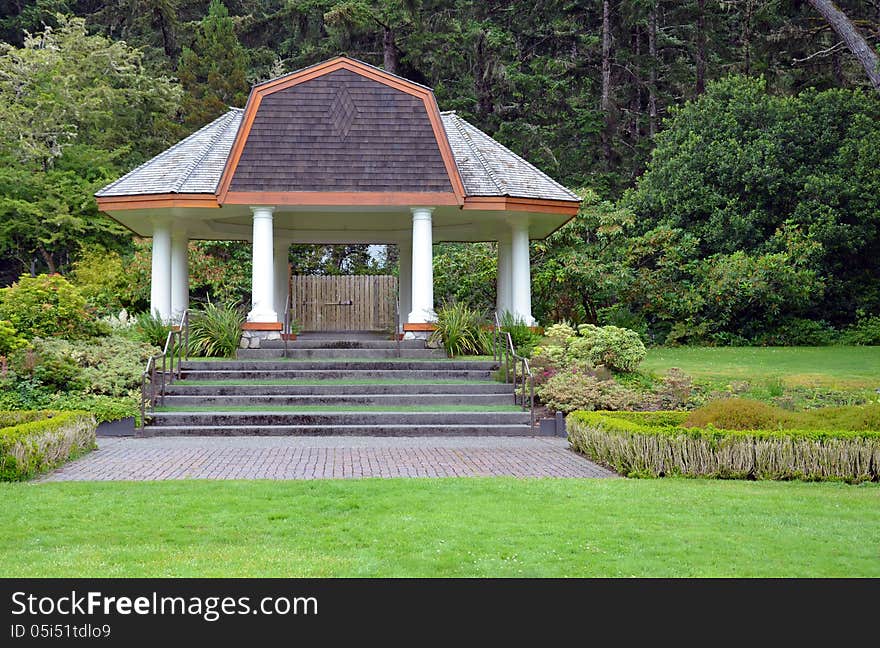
652, 84
853, 39
50, 262
483, 77
701, 47
392, 55
635, 104
605, 103
747, 37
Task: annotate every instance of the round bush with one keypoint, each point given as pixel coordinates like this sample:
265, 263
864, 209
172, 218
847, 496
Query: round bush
48, 306
616, 348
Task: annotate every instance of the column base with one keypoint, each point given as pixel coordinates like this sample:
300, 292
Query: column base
254, 333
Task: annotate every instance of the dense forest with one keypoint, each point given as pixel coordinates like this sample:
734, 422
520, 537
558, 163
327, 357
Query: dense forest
728, 150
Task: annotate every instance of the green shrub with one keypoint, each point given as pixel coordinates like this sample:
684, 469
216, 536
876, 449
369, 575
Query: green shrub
103, 408
31, 442
745, 414
657, 444
558, 334
582, 389
865, 332
10, 340
614, 347
101, 277
524, 340
798, 332
215, 331
110, 366
151, 328
459, 330
48, 306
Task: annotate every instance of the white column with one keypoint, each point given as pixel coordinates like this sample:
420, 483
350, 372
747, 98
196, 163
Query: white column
503, 288
179, 274
404, 279
160, 277
422, 267
263, 272
281, 280
521, 279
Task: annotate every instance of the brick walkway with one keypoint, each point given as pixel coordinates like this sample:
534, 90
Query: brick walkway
325, 457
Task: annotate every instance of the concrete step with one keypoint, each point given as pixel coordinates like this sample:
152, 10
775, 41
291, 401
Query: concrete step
337, 374
354, 364
341, 343
339, 400
355, 418
181, 388
295, 353
344, 430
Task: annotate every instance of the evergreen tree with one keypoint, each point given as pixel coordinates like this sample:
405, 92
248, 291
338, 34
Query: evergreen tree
213, 71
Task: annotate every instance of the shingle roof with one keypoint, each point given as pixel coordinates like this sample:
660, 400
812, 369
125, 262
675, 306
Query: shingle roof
488, 168
195, 164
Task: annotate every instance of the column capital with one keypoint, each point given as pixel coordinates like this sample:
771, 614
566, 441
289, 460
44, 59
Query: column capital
262, 210
421, 212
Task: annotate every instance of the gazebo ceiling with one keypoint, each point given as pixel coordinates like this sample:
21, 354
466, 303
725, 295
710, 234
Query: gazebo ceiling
343, 150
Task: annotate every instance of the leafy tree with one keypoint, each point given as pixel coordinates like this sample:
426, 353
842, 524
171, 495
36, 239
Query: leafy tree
213, 71
743, 170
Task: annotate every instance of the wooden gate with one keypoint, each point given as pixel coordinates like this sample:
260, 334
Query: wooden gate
344, 303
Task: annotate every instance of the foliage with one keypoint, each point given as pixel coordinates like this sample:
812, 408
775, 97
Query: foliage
744, 414
656, 444
781, 194
616, 348
36, 441
100, 276
521, 333
458, 330
581, 389
466, 273
865, 331
109, 366
215, 330
72, 104
48, 305
10, 340
212, 71
151, 329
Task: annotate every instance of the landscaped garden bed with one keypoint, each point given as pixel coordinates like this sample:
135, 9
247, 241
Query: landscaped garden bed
34, 441
734, 440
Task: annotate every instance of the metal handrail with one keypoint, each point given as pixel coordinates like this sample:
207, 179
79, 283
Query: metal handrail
153, 381
286, 326
509, 352
397, 331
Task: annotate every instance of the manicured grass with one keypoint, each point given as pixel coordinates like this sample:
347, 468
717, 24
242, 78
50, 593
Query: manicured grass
342, 408
444, 527
334, 381
836, 367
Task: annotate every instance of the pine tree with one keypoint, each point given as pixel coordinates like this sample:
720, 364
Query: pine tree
213, 71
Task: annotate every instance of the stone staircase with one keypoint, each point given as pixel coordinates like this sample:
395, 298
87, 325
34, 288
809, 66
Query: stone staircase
340, 384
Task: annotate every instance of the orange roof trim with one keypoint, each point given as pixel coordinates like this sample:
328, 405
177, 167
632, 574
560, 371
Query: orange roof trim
307, 74
533, 205
157, 201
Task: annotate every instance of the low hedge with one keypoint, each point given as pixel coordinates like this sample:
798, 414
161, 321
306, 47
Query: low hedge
656, 444
34, 441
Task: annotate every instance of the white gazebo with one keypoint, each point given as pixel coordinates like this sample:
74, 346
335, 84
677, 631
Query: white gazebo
340, 152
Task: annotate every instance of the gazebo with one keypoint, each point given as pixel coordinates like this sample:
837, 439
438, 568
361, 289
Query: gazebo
340, 152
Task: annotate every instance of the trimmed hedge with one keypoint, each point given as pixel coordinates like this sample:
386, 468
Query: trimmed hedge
655, 444
34, 441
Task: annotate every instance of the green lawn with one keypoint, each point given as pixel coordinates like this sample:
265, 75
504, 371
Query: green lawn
836, 367
443, 527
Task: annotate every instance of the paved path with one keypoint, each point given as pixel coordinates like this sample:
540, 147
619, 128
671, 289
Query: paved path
326, 457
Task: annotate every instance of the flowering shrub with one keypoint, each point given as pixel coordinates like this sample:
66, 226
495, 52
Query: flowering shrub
577, 389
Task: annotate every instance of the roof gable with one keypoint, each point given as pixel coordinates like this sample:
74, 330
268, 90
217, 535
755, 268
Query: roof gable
338, 128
